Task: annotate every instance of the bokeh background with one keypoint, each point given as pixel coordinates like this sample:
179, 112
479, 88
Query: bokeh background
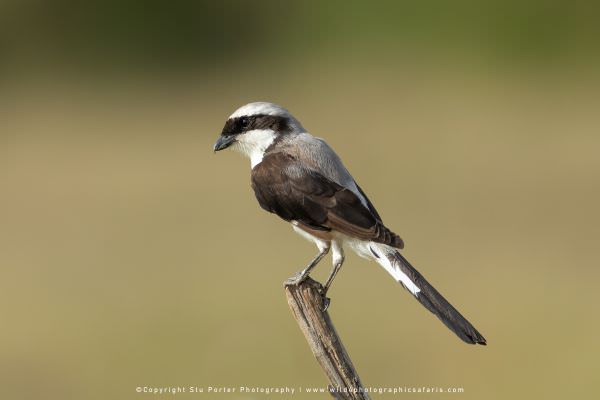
131, 255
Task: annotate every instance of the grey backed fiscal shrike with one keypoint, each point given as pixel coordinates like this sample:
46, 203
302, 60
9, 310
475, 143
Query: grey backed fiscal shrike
301, 179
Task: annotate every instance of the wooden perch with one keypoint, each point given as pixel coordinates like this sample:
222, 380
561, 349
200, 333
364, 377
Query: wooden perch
306, 303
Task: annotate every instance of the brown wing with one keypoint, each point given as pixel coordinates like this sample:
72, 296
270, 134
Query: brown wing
285, 187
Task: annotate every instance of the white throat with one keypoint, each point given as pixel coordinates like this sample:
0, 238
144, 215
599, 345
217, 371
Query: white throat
254, 143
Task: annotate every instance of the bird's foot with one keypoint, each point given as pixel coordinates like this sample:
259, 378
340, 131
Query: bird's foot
296, 279
326, 300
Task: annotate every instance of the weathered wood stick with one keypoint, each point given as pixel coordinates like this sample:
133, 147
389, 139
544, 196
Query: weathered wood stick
306, 303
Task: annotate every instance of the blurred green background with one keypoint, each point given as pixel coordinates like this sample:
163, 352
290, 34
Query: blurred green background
132, 256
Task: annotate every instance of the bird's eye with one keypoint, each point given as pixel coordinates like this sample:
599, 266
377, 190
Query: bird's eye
244, 121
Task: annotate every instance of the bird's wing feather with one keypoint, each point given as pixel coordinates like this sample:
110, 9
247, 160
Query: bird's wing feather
369, 204
295, 192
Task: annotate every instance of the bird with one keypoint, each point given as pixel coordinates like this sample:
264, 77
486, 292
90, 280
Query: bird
301, 179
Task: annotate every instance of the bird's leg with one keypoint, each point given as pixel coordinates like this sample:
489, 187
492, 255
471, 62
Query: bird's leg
332, 275
336, 267
299, 277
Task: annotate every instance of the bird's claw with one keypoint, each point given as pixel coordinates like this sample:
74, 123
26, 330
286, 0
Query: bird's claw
326, 302
300, 277
296, 279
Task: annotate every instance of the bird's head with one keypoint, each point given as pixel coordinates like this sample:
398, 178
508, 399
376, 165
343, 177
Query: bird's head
252, 128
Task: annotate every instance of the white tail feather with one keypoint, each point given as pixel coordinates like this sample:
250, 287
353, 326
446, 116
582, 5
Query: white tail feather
381, 256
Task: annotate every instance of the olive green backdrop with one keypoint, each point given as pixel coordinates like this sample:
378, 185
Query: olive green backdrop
131, 255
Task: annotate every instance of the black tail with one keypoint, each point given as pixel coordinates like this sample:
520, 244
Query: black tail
437, 304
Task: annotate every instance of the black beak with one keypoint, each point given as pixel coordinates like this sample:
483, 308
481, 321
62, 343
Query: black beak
223, 142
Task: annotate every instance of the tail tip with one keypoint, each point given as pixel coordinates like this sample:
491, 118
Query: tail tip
477, 339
